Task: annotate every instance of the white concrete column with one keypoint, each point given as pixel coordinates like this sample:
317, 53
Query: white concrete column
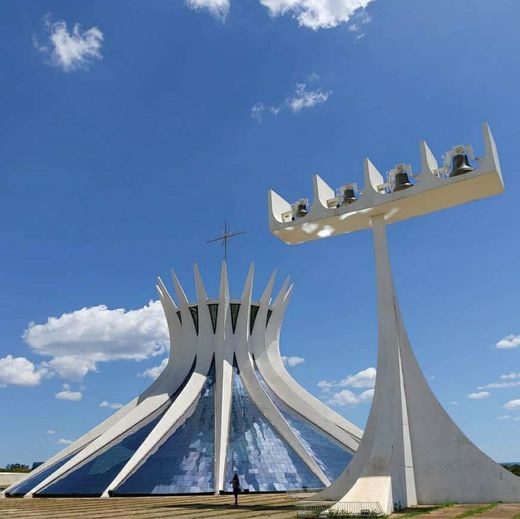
223, 381
382, 469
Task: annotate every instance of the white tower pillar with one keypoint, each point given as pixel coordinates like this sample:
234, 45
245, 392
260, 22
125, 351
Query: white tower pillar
411, 451
382, 472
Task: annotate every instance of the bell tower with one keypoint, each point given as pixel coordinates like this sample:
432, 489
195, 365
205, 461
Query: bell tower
411, 451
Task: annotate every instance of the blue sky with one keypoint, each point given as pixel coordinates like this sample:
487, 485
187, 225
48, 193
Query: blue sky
127, 141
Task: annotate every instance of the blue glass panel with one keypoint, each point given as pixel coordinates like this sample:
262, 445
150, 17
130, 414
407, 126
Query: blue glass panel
256, 452
331, 457
93, 478
184, 462
32, 481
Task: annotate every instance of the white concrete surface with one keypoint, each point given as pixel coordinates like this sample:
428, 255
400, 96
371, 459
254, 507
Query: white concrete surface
430, 193
191, 355
411, 451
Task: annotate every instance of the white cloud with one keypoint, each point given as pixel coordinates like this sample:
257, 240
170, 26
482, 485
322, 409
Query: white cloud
72, 367
68, 394
510, 376
365, 378
259, 110
347, 397
293, 361
316, 14
154, 372
503, 417
50, 432
325, 385
63, 441
508, 342
19, 371
74, 50
218, 8
454, 403
78, 340
360, 19
512, 404
500, 385
478, 395
509, 380
304, 98
110, 405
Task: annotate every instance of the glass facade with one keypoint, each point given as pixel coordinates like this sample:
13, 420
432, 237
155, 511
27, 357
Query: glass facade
330, 456
194, 310
28, 484
252, 317
256, 452
235, 308
269, 313
92, 478
213, 311
184, 462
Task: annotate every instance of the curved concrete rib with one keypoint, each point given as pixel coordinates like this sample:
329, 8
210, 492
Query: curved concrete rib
260, 397
174, 416
223, 380
156, 387
223, 396
149, 407
263, 402
272, 369
152, 400
81, 442
192, 348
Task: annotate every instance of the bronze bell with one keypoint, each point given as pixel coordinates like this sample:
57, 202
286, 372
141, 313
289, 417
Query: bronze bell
460, 165
402, 181
349, 196
301, 210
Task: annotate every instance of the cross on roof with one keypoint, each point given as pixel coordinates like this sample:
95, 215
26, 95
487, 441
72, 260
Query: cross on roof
224, 237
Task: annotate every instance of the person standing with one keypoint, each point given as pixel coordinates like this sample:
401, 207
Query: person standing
235, 484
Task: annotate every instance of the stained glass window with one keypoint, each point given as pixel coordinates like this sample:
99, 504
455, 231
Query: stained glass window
92, 478
257, 453
183, 463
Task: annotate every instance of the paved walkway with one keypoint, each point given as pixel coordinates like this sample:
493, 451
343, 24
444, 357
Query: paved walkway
272, 506
502, 511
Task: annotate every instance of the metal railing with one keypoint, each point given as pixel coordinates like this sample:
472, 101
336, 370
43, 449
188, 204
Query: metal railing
326, 509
